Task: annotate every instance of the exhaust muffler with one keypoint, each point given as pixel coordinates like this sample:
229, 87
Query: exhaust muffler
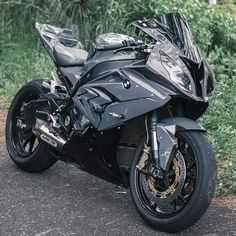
42, 131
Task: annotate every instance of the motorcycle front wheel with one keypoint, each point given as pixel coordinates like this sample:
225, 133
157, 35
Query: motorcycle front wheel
176, 201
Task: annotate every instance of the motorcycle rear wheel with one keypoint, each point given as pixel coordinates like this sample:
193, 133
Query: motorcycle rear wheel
29, 153
196, 192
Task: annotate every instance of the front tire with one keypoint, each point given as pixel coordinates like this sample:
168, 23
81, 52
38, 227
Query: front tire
24, 148
200, 190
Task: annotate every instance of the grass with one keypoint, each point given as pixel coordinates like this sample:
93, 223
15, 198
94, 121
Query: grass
20, 63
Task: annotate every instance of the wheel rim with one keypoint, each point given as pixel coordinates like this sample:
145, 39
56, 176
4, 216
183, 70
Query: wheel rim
22, 137
160, 207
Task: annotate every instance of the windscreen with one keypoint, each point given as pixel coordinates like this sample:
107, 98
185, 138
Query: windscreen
174, 28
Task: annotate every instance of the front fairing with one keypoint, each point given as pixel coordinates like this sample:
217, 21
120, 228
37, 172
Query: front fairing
174, 41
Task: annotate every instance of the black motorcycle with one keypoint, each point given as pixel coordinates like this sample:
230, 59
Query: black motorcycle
125, 112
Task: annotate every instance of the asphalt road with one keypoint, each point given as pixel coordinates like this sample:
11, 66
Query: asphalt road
66, 201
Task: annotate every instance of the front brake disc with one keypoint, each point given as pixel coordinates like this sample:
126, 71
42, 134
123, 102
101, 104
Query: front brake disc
160, 195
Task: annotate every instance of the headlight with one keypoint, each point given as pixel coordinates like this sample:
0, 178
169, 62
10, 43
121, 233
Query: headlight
177, 75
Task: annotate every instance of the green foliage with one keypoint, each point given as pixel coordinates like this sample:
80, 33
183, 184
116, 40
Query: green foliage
20, 63
21, 58
210, 26
229, 7
220, 118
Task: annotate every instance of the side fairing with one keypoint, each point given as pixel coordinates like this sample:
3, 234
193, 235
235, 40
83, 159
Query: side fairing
117, 96
125, 84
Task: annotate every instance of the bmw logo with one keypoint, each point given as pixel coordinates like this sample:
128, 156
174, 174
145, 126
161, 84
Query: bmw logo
126, 84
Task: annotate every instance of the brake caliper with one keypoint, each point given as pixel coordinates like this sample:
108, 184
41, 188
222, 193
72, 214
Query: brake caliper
143, 158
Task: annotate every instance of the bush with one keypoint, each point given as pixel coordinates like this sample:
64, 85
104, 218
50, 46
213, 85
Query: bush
210, 26
220, 118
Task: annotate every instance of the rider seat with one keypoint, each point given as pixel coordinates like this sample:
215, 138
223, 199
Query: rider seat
69, 56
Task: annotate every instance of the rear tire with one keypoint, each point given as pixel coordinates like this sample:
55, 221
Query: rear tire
42, 157
201, 196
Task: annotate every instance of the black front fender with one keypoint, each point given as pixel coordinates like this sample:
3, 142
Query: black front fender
166, 131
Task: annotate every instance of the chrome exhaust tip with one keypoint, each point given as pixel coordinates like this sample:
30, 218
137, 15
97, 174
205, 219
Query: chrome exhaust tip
42, 131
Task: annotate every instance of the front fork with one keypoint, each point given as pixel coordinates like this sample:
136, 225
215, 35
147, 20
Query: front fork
153, 121
163, 142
